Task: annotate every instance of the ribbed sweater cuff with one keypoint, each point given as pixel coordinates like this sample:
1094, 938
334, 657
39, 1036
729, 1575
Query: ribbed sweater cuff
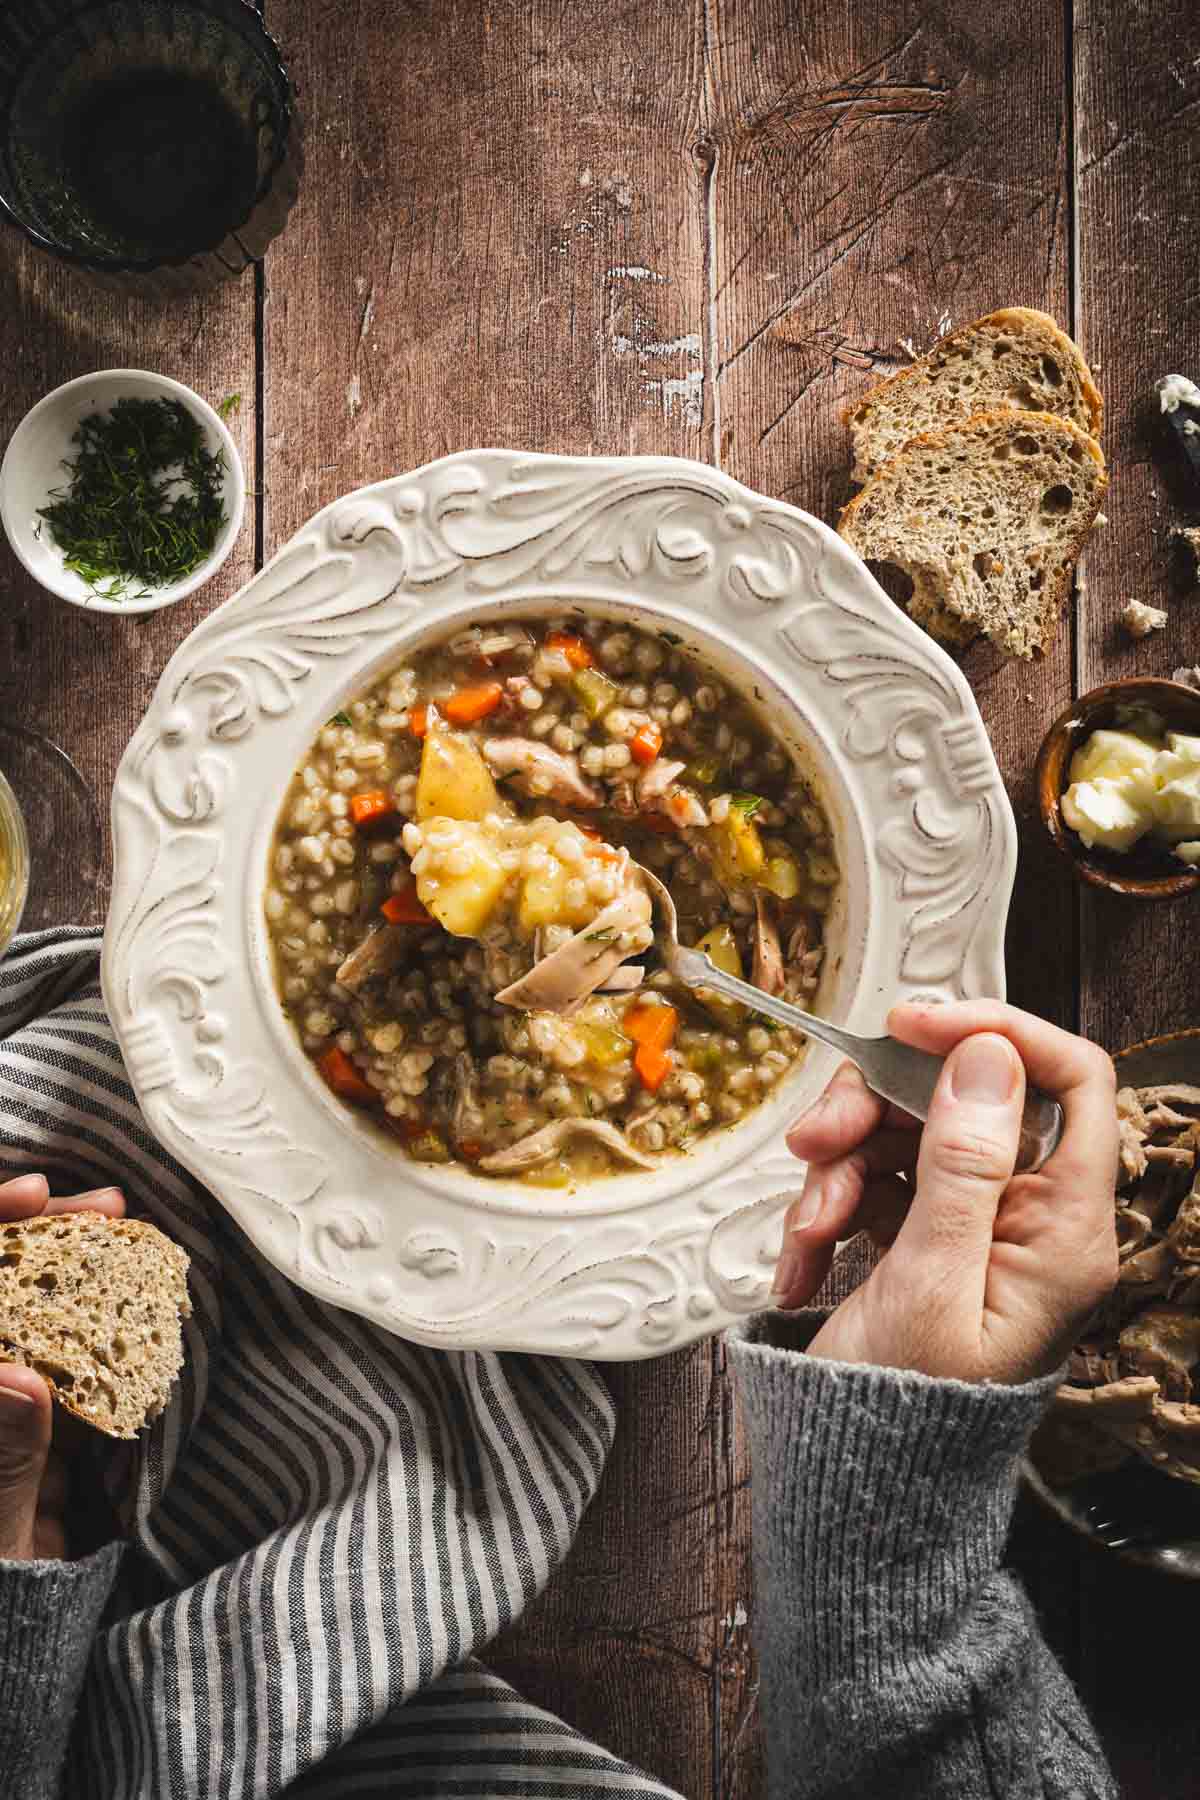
882, 1499
49, 1614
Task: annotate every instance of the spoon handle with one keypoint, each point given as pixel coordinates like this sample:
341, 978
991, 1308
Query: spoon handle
895, 1071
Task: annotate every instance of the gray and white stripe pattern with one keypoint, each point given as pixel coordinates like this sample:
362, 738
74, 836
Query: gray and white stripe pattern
327, 1525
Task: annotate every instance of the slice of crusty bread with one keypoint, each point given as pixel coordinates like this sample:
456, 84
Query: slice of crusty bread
986, 519
94, 1305
1013, 358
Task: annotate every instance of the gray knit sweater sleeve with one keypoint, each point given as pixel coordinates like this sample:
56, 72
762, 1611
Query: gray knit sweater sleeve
897, 1657
49, 1615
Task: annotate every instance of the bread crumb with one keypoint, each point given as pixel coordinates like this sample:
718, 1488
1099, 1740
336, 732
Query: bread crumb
1100, 521
1189, 537
1188, 677
1140, 620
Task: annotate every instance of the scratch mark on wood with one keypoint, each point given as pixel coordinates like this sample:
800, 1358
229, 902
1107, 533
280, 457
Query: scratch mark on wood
817, 375
367, 320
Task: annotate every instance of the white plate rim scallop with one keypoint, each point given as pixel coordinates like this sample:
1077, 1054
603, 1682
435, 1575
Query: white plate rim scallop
635, 1265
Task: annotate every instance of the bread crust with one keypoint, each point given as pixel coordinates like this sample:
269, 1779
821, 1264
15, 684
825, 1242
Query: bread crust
1017, 422
1022, 322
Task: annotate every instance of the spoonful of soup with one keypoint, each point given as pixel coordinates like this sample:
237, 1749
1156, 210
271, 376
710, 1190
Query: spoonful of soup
895, 1071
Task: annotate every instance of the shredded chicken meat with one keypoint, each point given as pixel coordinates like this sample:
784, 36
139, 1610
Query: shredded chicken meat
1133, 1384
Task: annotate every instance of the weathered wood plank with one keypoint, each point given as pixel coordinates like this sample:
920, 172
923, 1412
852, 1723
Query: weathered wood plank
498, 242
876, 182
1137, 95
84, 679
872, 183
1138, 101
501, 241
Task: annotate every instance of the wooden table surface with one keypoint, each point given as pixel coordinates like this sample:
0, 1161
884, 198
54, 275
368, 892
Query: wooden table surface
701, 228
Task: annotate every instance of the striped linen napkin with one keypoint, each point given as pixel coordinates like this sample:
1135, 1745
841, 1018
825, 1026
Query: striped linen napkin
327, 1525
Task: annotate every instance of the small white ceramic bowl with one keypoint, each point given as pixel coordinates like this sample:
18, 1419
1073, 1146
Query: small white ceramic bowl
33, 466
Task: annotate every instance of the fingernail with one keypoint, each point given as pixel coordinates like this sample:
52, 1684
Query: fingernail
984, 1070
28, 1189
787, 1273
806, 1210
802, 1215
95, 1197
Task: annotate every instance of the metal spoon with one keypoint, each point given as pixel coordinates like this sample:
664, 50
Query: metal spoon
893, 1070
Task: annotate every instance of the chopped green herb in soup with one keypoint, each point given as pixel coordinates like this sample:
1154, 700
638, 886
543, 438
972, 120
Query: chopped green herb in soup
463, 942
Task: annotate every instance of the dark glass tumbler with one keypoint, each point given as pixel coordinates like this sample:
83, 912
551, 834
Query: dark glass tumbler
154, 143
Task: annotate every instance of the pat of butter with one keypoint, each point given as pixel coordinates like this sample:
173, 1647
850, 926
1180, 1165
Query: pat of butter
1103, 814
1113, 754
1125, 784
1176, 804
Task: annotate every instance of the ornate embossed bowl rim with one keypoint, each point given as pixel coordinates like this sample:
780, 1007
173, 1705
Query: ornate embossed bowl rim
637, 1264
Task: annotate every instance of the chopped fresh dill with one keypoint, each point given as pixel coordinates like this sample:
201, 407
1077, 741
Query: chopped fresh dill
229, 405
341, 718
144, 506
746, 804
604, 936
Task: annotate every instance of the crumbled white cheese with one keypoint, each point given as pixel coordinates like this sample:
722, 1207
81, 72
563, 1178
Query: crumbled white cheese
1140, 620
1175, 391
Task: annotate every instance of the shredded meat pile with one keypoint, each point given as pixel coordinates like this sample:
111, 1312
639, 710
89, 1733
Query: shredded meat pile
1134, 1380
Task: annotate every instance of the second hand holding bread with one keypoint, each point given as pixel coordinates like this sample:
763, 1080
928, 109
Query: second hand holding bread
94, 1305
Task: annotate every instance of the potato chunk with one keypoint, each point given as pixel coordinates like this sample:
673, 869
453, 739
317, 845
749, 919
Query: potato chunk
455, 782
738, 847
463, 901
720, 946
542, 897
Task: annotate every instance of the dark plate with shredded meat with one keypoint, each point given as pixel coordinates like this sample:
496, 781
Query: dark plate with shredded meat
1118, 1455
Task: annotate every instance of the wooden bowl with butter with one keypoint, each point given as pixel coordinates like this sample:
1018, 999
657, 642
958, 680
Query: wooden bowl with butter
1129, 789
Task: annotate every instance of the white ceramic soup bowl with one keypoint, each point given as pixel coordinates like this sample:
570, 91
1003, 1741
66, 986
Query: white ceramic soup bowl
629, 1265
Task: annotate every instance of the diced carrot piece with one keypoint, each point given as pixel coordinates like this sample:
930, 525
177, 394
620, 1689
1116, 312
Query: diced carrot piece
472, 1149
646, 743
404, 908
365, 809
418, 720
598, 848
652, 1026
653, 1066
472, 703
342, 1076
577, 650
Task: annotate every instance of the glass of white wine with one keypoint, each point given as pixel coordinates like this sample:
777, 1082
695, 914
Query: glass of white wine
14, 864
52, 869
